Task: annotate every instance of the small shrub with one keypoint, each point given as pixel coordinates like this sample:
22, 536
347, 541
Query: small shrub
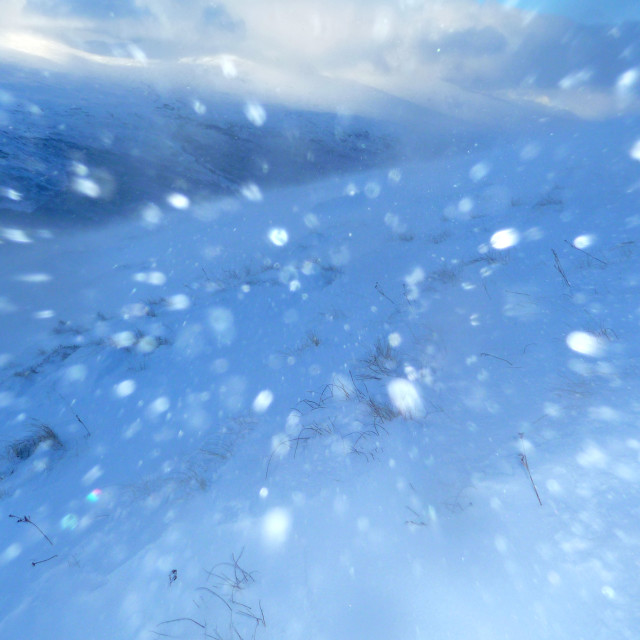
23, 448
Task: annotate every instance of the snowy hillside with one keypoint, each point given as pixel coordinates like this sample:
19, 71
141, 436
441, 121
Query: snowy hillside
137, 138
343, 366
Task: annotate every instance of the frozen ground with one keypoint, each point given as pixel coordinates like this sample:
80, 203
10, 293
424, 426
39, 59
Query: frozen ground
387, 389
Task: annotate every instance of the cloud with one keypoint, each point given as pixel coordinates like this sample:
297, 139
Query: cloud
585, 11
218, 16
474, 42
431, 52
98, 9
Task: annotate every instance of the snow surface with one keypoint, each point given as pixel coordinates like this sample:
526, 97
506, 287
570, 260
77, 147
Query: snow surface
274, 370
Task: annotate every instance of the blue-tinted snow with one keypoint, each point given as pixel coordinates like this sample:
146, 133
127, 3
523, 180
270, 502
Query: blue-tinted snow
353, 362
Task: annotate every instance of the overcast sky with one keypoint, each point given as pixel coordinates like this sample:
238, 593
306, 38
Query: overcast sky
401, 46
591, 11
586, 10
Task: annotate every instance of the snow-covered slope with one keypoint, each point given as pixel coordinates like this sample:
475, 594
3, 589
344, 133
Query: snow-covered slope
72, 153
318, 323
385, 404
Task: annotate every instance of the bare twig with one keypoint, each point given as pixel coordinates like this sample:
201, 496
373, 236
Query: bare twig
183, 620
383, 294
490, 355
359, 394
34, 563
415, 523
573, 246
560, 269
82, 423
282, 443
30, 521
75, 414
217, 595
525, 464
381, 362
